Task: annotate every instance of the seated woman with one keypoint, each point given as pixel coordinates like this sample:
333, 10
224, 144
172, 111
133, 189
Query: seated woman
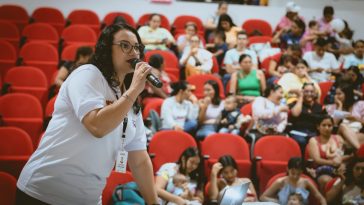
184, 40
304, 114
291, 36
326, 151
153, 36
348, 115
349, 185
292, 82
157, 62
226, 25
270, 117
180, 111
283, 187
247, 83
168, 176
210, 108
285, 65
195, 59
83, 55
224, 174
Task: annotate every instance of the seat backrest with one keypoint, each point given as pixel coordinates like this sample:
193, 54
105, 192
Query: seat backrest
180, 22
114, 180
219, 144
9, 30
247, 109
83, 17
257, 24
48, 15
277, 176
325, 88
155, 104
7, 189
143, 20
14, 13
69, 52
79, 34
40, 31
200, 80
20, 105
39, 51
15, 141
259, 39
276, 148
168, 145
109, 18
8, 51
26, 76
170, 60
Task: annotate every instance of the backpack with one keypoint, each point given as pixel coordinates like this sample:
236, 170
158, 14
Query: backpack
127, 194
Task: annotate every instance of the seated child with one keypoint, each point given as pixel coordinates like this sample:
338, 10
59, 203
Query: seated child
231, 119
295, 199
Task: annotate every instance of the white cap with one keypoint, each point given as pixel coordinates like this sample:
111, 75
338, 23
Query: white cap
292, 7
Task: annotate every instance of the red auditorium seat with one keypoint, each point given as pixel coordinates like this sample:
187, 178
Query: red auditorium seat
114, 180
41, 32
109, 18
221, 144
15, 14
247, 109
144, 19
154, 104
50, 107
7, 189
24, 111
27, 79
173, 73
78, 34
15, 150
259, 39
85, 17
69, 52
168, 145
325, 88
272, 154
200, 80
51, 16
10, 33
180, 22
215, 65
264, 66
170, 60
7, 57
312, 198
259, 25
40, 55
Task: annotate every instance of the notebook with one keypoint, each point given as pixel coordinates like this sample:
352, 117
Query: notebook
234, 195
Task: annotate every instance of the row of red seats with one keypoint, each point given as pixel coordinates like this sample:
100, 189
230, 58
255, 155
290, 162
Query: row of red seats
55, 17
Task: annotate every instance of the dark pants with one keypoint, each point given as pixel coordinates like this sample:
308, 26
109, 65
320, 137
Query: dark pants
24, 199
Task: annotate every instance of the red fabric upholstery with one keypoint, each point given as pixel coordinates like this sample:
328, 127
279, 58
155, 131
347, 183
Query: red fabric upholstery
10, 33
69, 52
50, 107
275, 152
168, 145
144, 20
155, 104
180, 22
85, 17
41, 32
113, 180
23, 111
247, 109
15, 14
259, 39
173, 73
7, 57
109, 18
257, 24
27, 79
41, 55
78, 34
170, 60
51, 16
200, 80
325, 88
220, 144
7, 189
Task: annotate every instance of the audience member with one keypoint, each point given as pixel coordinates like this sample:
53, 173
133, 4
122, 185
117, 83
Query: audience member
282, 188
324, 22
226, 25
310, 36
291, 36
212, 21
286, 21
357, 58
157, 62
219, 47
285, 65
184, 40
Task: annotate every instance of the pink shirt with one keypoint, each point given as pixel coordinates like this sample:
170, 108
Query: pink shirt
325, 26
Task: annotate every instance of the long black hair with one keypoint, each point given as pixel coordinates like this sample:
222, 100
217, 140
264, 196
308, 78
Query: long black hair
102, 58
224, 17
271, 88
216, 99
348, 90
177, 86
197, 174
349, 177
228, 161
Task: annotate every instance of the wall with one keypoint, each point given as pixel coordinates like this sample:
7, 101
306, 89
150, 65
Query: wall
351, 10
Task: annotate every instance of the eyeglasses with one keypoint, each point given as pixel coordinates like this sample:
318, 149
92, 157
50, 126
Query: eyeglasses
308, 91
126, 47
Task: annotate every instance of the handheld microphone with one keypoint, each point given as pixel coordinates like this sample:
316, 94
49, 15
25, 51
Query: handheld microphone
150, 77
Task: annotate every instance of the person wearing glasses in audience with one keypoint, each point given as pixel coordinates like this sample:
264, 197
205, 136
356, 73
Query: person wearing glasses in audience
153, 36
96, 122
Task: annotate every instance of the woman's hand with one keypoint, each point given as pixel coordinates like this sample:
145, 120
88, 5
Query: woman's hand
142, 69
339, 104
216, 168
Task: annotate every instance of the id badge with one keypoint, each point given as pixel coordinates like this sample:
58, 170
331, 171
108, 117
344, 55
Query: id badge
121, 161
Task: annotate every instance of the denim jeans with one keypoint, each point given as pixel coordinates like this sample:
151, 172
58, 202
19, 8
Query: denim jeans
190, 126
205, 131
226, 130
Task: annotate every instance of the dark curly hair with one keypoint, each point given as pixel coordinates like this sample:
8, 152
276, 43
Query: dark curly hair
102, 58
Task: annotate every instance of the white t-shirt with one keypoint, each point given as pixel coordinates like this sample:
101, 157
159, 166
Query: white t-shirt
352, 60
328, 61
232, 56
203, 55
70, 165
